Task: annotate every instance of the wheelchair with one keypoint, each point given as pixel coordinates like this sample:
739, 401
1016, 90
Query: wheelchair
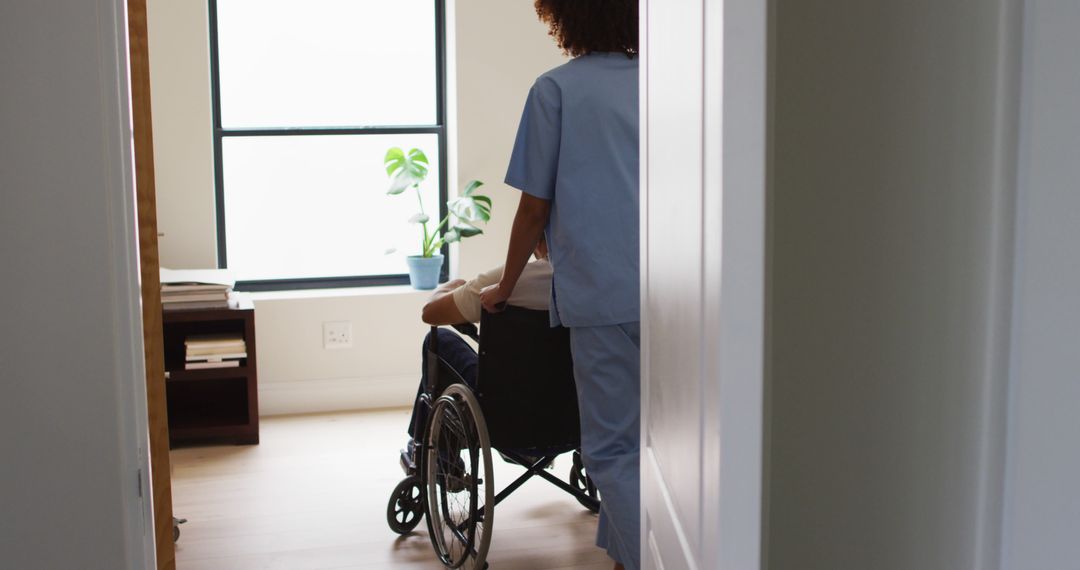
524, 407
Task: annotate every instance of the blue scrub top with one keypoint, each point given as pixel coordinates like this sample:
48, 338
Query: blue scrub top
577, 146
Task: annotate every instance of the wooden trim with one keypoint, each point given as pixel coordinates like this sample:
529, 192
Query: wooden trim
160, 476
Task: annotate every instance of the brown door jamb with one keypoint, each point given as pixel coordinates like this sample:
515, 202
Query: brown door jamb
160, 477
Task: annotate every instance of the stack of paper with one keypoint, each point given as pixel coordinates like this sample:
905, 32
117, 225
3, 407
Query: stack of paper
214, 351
195, 289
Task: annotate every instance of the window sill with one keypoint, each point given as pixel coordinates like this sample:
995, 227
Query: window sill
288, 295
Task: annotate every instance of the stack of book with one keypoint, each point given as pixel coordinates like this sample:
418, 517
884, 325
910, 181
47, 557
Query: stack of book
194, 296
214, 351
195, 289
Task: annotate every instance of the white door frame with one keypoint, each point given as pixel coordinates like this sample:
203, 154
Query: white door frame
727, 531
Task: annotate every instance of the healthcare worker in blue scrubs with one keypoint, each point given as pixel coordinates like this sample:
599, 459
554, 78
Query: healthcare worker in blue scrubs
576, 162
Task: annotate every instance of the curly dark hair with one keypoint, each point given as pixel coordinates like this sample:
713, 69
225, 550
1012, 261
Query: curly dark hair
585, 26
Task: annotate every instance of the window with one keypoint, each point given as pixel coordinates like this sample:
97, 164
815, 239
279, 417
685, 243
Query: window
307, 97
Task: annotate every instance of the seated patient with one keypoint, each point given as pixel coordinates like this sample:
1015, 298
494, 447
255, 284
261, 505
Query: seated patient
458, 302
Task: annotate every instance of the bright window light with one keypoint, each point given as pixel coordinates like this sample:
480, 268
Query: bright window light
308, 97
315, 63
316, 206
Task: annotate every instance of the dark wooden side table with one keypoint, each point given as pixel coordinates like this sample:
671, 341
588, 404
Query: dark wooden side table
210, 405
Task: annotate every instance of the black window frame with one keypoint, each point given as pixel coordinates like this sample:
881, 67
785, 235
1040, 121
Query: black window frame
220, 133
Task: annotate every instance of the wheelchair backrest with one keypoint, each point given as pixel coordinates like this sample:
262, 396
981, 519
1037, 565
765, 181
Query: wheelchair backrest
526, 381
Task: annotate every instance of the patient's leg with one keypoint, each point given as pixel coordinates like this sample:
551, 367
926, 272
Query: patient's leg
458, 355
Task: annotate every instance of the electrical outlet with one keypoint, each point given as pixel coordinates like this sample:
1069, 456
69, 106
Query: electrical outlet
337, 334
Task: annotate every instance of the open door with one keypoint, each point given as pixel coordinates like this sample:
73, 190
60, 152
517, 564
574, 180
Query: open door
146, 204
703, 268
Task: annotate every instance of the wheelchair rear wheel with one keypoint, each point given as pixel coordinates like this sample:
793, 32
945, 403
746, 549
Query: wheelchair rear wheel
580, 480
458, 474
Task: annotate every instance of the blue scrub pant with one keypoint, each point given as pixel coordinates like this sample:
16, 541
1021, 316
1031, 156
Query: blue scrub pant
607, 369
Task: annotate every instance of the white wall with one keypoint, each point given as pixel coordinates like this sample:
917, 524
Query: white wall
73, 409
1042, 502
501, 47
889, 304
183, 132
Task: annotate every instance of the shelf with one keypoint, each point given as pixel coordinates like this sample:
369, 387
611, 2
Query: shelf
202, 315
207, 374
210, 405
239, 433
208, 423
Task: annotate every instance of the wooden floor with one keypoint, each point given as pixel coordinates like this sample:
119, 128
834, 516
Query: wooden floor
313, 495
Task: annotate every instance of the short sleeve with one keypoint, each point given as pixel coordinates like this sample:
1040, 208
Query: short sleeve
535, 159
467, 297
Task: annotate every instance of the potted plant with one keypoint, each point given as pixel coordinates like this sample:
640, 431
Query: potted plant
407, 170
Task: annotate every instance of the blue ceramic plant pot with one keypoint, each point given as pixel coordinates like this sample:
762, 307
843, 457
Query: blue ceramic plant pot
424, 271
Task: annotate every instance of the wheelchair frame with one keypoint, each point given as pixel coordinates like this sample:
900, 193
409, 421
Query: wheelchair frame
425, 484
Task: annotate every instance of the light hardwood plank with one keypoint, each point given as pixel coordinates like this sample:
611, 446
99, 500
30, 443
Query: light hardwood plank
313, 494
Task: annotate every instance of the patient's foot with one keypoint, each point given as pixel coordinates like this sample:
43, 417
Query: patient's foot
408, 457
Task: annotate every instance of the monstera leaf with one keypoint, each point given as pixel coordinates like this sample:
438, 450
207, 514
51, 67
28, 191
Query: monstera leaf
405, 169
467, 231
459, 232
471, 207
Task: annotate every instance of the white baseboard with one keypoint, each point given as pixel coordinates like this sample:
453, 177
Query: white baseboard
336, 394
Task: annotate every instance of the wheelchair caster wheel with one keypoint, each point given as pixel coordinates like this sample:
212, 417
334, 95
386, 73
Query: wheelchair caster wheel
406, 506
176, 528
581, 481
